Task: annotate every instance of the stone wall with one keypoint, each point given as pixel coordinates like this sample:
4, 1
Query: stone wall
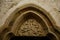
5, 5
42, 12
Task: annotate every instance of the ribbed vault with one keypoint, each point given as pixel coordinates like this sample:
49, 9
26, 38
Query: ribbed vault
28, 21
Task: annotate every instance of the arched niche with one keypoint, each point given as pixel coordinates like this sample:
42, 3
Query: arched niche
25, 13
29, 19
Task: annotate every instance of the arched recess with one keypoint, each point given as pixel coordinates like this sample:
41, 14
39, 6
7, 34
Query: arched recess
29, 15
15, 20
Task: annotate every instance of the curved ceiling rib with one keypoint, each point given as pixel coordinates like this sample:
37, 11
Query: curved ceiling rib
16, 21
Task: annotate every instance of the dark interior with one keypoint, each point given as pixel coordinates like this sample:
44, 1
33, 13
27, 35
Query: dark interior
49, 36
29, 38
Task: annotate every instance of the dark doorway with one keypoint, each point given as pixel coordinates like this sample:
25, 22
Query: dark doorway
29, 38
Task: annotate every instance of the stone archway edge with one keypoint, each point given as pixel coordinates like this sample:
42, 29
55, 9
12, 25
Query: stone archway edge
43, 7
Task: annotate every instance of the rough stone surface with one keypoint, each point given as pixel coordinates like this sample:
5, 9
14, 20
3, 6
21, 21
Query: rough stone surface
42, 18
5, 5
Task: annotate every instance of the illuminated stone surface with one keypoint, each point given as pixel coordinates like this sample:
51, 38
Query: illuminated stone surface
29, 18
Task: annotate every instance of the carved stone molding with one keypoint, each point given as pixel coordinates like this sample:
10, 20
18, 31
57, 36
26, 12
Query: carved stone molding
29, 20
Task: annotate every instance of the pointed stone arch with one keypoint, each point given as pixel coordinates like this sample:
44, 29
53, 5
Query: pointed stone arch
34, 12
